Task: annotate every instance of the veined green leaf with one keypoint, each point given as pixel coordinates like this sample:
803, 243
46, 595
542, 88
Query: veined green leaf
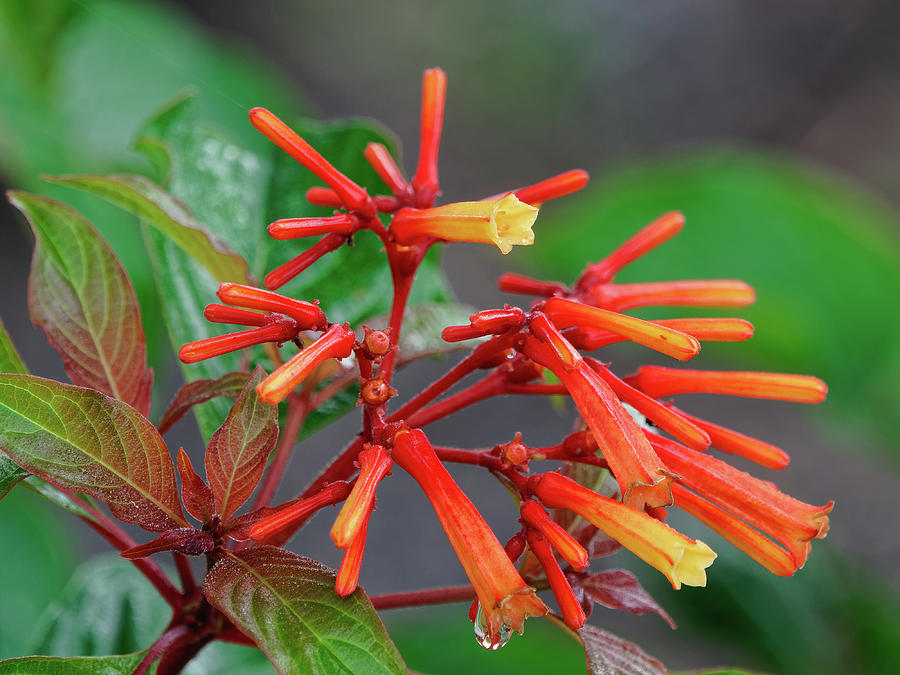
73, 665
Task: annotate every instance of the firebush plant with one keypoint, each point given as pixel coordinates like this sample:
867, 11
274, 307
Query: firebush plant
301, 359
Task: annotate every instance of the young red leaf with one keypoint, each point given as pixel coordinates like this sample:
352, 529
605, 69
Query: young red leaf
200, 391
237, 452
196, 495
287, 604
80, 296
185, 540
605, 653
619, 589
81, 440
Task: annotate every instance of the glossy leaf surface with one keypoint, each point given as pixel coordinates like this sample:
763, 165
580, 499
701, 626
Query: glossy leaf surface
288, 605
82, 440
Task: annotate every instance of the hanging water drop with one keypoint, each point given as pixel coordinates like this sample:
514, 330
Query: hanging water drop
483, 634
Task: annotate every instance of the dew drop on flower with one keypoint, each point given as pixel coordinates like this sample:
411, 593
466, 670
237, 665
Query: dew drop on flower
483, 635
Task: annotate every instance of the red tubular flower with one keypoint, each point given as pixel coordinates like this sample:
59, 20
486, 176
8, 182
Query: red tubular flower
657, 381
306, 314
298, 510
552, 188
296, 228
656, 233
571, 551
322, 196
661, 415
380, 159
736, 532
336, 343
565, 313
505, 598
374, 464
642, 477
726, 440
517, 283
200, 350
569, 606
787, 520
434, 93
681, 559
241, 317
283, 274
348, 573
706, 293
353, 197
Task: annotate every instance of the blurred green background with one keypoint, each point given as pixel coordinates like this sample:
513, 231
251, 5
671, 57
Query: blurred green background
775, 129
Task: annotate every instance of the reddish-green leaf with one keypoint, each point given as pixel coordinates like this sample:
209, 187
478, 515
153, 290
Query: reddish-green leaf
200, 391
72, 665
185, 540
606, 654
81, 440
237, 452
195, 493
620, 589
79, 295
156, 207
287, 604
10, 472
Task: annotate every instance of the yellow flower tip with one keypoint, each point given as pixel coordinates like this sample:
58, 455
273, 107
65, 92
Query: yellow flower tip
512, 220
690, 567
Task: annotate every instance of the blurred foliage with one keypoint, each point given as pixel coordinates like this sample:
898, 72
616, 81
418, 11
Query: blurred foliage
821, 252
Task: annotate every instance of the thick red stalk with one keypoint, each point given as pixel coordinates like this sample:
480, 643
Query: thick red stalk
434, 596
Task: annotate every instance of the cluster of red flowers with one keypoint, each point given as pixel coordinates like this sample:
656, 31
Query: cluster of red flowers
653, 471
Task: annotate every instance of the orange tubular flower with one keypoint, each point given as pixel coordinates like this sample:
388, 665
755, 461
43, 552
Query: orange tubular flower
283, 274
571, 551
353, 197
504, 596
642, 477
787, 520
296, 511
657, 381
434, 94
279, 331
336, 343
681, 559
571, 609
306, 314
705, 330
296, 228
505, 223
566, 313
380, 159
348, 573
374, 464
704, 293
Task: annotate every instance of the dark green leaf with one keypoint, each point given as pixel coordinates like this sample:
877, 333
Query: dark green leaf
74, 665
238, 451
288, 605
79, 295
156, 207
84, 441
200, 391
10, 361
822, 254
10, 474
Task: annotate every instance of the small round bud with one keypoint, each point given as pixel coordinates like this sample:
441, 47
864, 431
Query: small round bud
377, 342
376, 391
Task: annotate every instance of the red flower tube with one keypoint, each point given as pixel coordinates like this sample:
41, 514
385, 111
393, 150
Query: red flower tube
658, 381
705, 330
264, 529
517, 283
380, 159
223, 344
704, 293
571, 551
374, 464
434, 93
348, 573
568, 604
505, 598
241, 317
296, 228
641, 475
336, 343
283, 274
307, 314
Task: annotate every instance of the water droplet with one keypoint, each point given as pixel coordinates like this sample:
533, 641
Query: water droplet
483, 634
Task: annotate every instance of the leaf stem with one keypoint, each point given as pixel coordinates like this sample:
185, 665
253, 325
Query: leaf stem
185, 575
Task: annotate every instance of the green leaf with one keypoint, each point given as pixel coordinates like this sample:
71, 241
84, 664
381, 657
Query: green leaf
200, 391
235, 193
79, 295
10, 361
238, 451
156, 207
84, 441
287, 604
10, 474
51, 494
74, 665
821, 252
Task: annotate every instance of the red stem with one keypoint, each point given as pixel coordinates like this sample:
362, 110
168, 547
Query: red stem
188, 585
402, 286
492, 385
434, 596
169, 637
